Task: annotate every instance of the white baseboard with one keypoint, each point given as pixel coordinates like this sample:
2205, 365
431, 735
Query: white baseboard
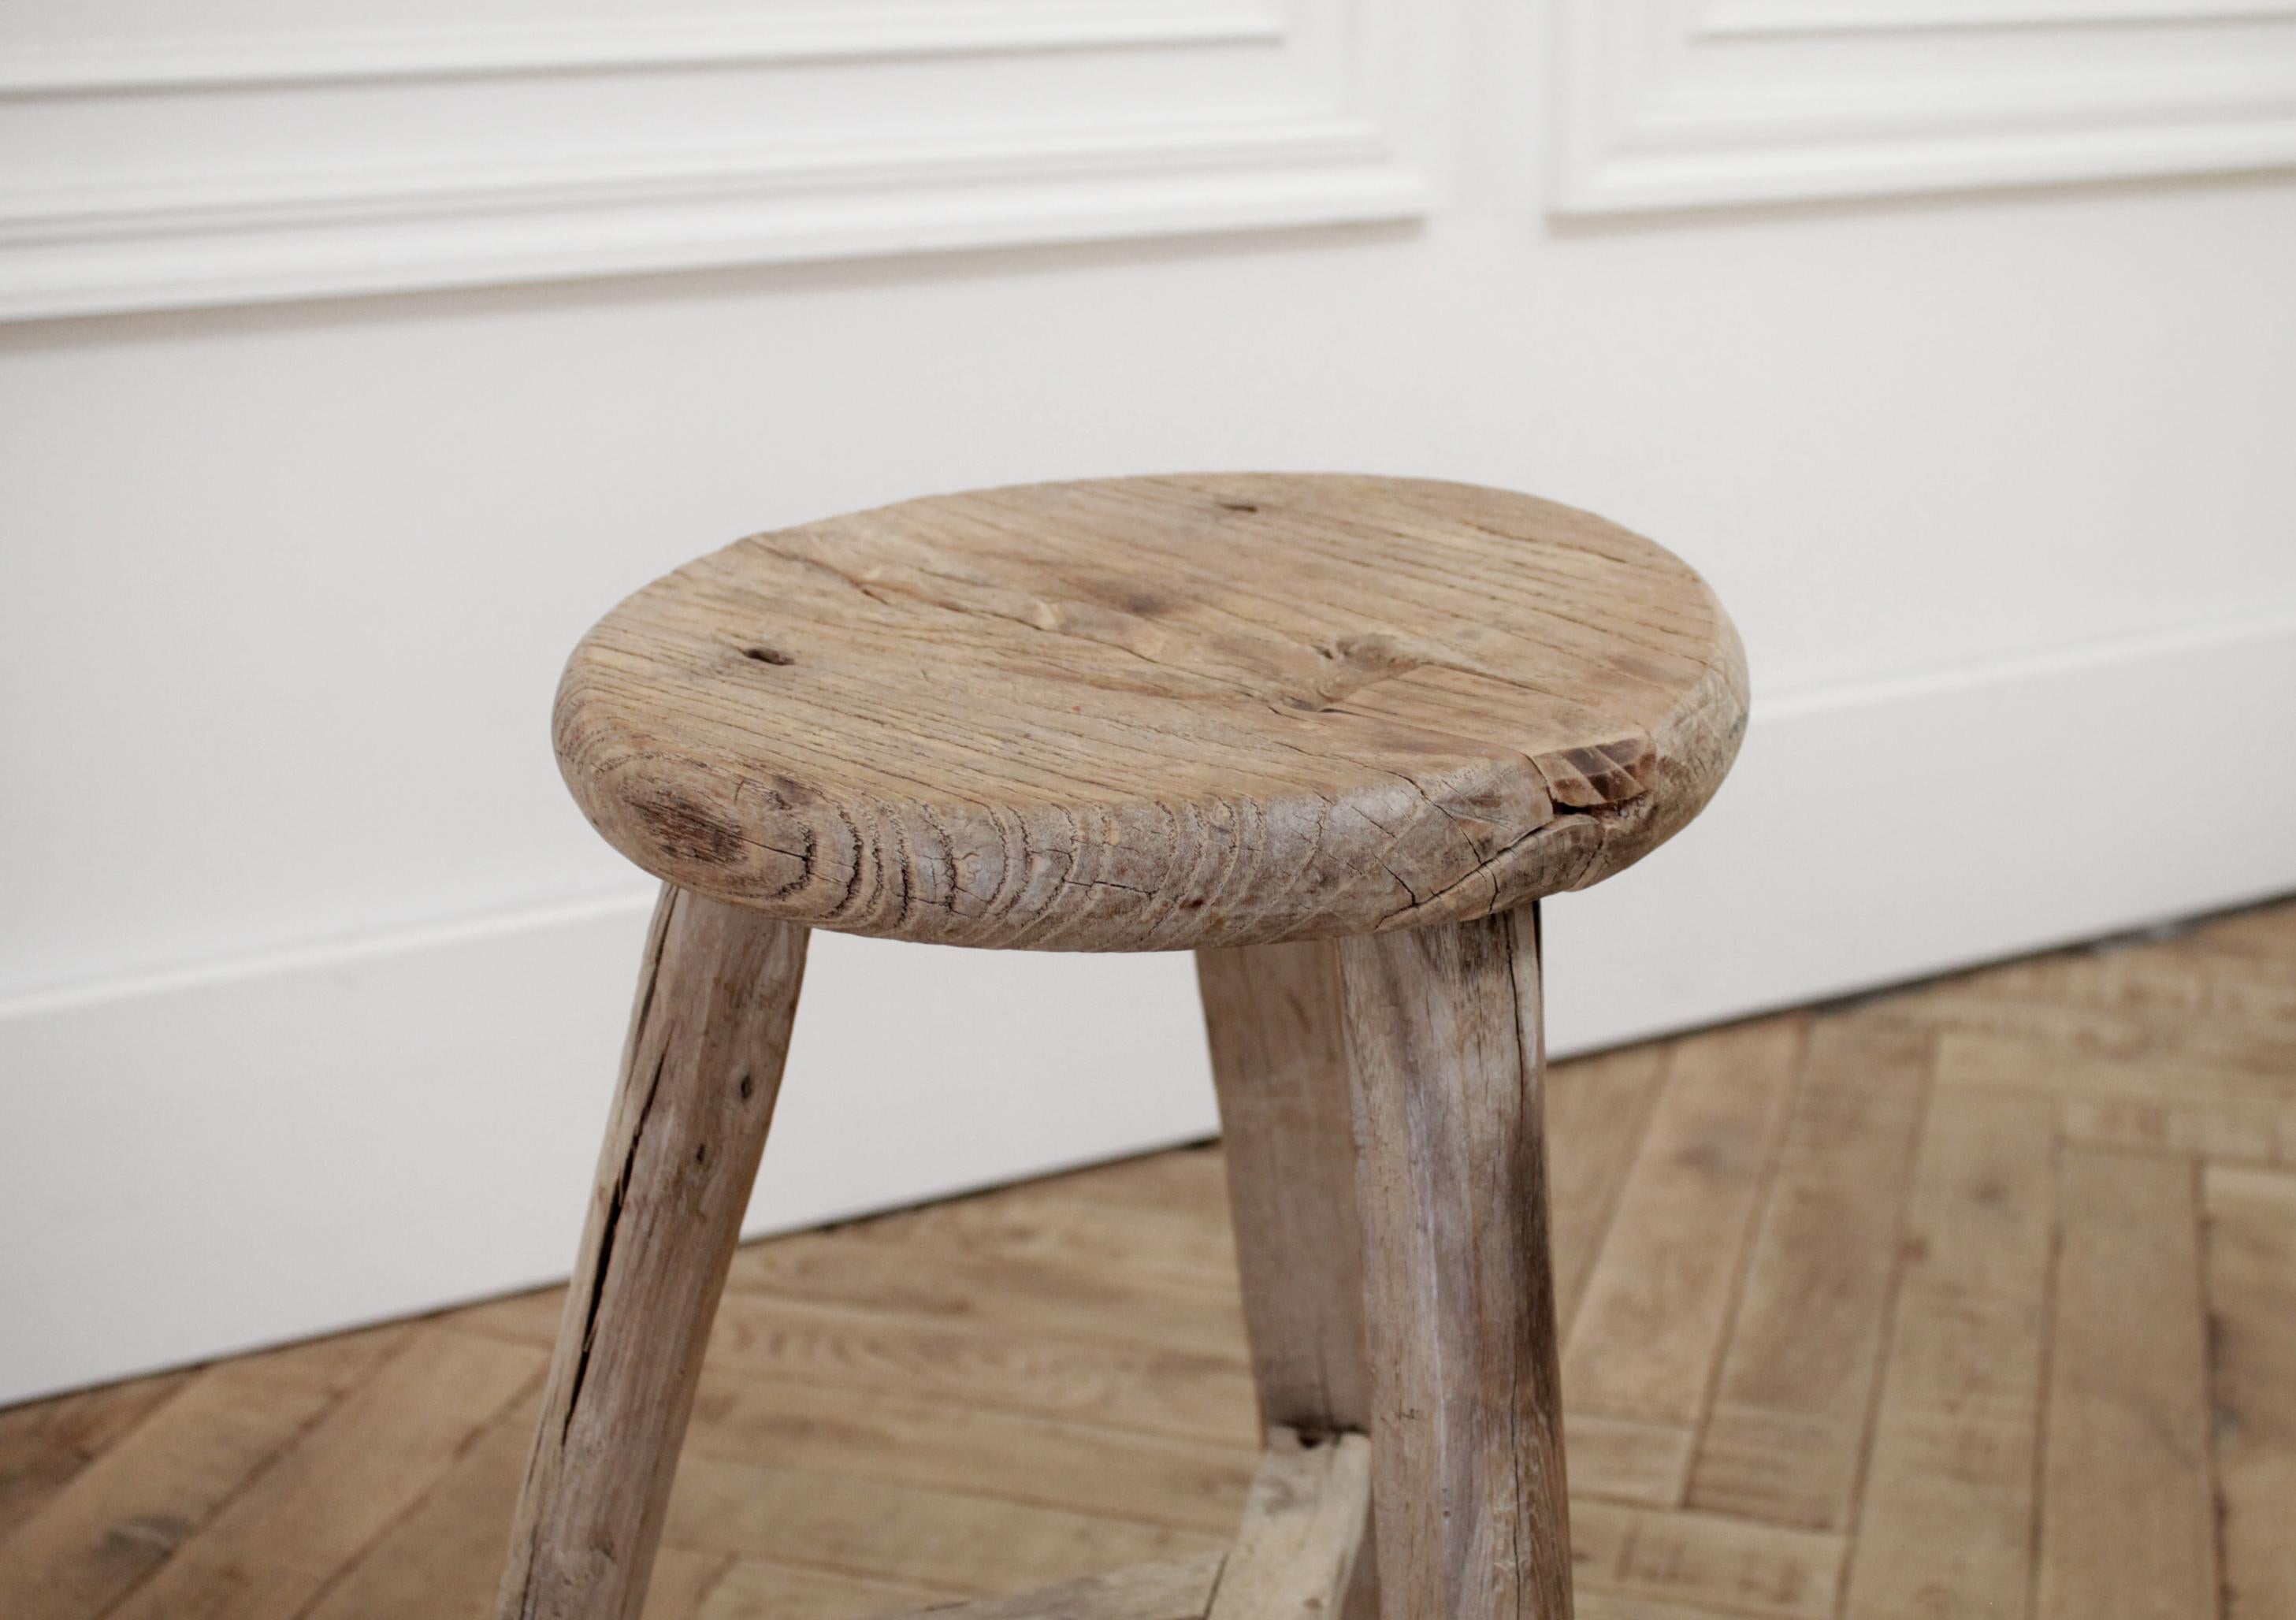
1888, 832
201, 1164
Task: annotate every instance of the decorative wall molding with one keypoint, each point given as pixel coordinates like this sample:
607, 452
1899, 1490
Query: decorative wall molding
159, 173
1726, 19
880, 32
1682, 103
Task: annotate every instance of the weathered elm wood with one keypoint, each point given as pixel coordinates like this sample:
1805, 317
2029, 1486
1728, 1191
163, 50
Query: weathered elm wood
1445, 1050
1178, 1590
700, 1074
1147, 713
1305, 1526
1279, 1059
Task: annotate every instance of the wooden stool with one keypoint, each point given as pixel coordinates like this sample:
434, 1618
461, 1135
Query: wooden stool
1337, 735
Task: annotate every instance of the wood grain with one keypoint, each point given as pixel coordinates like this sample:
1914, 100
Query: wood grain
1280, 1065
1146, 714
1653, 1325
270, 1552
1742, 1566
1305, 1525
703, 1065
818, 1424
1445, 1048
1786, 1437
1279, 1060
45, 1444
2252, 1261
1181, 1590
683, 1580
2130, 1531
1599, 1107
750, 1589
1050, 1370
443, 1556
1022, 1294
127, 1514
966, 1541
1625, 1460
1947, 1524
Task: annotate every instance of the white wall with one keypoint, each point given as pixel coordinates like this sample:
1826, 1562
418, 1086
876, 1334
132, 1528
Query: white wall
311, 977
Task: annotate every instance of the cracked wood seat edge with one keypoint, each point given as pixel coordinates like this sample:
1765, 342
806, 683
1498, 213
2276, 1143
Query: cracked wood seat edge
1157, 712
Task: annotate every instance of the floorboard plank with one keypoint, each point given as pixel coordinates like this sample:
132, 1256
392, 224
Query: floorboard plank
1706, 1559
828, 1427
2076, 1032
1947, 1522
1103, 1379
128, 1512
315, 1510
1786, 1435
683, 1580
1596, 1108
2251, 1284
443, 1557
45, 1445
1619, 1459
1648, 1330
2127, 1514
1015, 1294
752, 1589
876, 1530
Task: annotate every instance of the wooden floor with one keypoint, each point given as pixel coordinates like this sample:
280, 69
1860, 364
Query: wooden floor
1978, 1299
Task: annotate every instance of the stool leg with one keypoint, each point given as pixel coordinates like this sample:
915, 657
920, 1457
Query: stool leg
1445, 1048
699, 1073
1279, 1059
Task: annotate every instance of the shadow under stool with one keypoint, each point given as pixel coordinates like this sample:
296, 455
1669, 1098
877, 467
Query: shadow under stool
1334, 734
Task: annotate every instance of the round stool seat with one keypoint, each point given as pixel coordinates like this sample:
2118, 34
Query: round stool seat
1157, 712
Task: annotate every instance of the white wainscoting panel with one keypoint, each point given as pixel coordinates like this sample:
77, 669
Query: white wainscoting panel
216, 156
1674, 103
428, 1107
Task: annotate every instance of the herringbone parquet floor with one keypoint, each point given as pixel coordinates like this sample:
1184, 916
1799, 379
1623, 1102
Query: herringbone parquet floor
1976, 1298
